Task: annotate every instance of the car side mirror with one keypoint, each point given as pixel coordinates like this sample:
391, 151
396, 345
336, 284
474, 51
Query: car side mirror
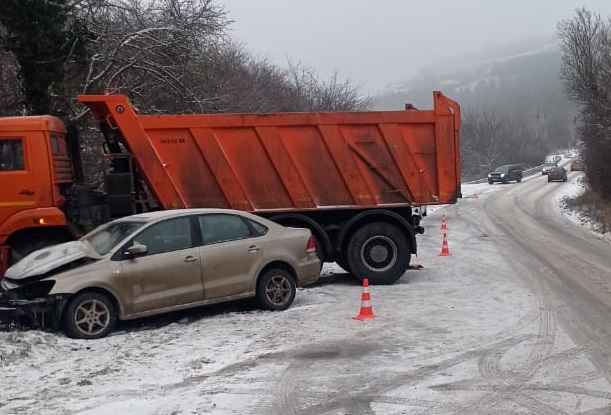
136, 251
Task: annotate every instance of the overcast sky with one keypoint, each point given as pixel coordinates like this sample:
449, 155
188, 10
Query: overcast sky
378, 43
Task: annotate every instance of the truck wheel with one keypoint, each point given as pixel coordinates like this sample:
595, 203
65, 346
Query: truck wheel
320, 253
89, 315
342, 261
276, 289
380, 252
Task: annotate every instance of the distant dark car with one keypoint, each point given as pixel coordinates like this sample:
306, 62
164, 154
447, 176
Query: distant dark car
576, 165
548, 166
506, 173
558, 174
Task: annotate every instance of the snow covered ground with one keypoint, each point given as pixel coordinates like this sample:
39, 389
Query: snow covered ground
433, 330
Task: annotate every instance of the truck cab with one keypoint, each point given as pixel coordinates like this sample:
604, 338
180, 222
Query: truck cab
34, 166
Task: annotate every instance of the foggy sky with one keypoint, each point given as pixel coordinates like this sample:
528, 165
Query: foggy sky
375, 43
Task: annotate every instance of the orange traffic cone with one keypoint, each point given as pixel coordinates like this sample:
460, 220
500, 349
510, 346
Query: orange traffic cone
443, 223
366, 308
445, 250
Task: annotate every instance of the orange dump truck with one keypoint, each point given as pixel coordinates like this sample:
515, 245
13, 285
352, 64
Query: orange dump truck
355, 179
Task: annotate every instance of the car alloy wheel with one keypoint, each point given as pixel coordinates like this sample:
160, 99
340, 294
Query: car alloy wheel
276, 289
89, 315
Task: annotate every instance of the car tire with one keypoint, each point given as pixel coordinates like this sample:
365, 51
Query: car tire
276, 289
549, 179
519, 180
380, 252
490, 182
89, 315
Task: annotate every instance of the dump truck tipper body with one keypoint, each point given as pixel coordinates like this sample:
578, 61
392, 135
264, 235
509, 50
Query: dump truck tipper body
293, 161
353, 178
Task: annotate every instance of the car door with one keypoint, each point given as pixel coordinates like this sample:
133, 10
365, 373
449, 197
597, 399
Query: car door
169, 274
231, 254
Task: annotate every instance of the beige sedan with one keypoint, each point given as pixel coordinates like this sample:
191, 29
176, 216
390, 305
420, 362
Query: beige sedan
158, 262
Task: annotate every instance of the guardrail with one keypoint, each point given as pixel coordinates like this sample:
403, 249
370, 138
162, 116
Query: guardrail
526, 172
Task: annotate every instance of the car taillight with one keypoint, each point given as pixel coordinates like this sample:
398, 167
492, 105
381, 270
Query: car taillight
311, 245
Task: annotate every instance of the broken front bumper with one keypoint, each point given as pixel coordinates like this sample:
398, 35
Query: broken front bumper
35, 313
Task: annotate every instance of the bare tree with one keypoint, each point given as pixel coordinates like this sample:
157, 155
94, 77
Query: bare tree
482, 141
236, 81
174, 56
586, 47
147, 48
316, 95
489, 140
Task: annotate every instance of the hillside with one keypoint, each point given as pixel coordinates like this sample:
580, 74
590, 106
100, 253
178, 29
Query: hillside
519, 81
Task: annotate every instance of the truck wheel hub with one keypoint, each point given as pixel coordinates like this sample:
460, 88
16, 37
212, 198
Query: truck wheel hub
379, 253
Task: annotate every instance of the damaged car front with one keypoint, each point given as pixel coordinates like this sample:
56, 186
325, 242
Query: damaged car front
35, 290
26, 292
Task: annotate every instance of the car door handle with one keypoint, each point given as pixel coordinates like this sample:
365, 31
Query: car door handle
253, 248
190, 258
26, 192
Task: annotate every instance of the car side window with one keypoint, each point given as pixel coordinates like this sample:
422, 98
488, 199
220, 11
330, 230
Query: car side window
167, 236
11, 155
258, 229
221, 227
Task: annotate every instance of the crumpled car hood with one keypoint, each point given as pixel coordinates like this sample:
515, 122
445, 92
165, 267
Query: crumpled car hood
47, 259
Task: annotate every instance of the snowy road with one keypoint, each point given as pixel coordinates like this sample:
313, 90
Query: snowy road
512, 322
566, 260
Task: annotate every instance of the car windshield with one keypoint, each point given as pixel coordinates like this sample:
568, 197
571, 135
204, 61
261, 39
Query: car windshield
550, 165
104, 238
502, 169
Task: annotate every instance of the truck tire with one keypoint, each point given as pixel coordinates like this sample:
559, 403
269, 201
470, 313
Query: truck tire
342, 261
380, 252
89, 315
276, 289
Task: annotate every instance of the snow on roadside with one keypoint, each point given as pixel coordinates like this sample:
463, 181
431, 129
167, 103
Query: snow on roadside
223, 360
